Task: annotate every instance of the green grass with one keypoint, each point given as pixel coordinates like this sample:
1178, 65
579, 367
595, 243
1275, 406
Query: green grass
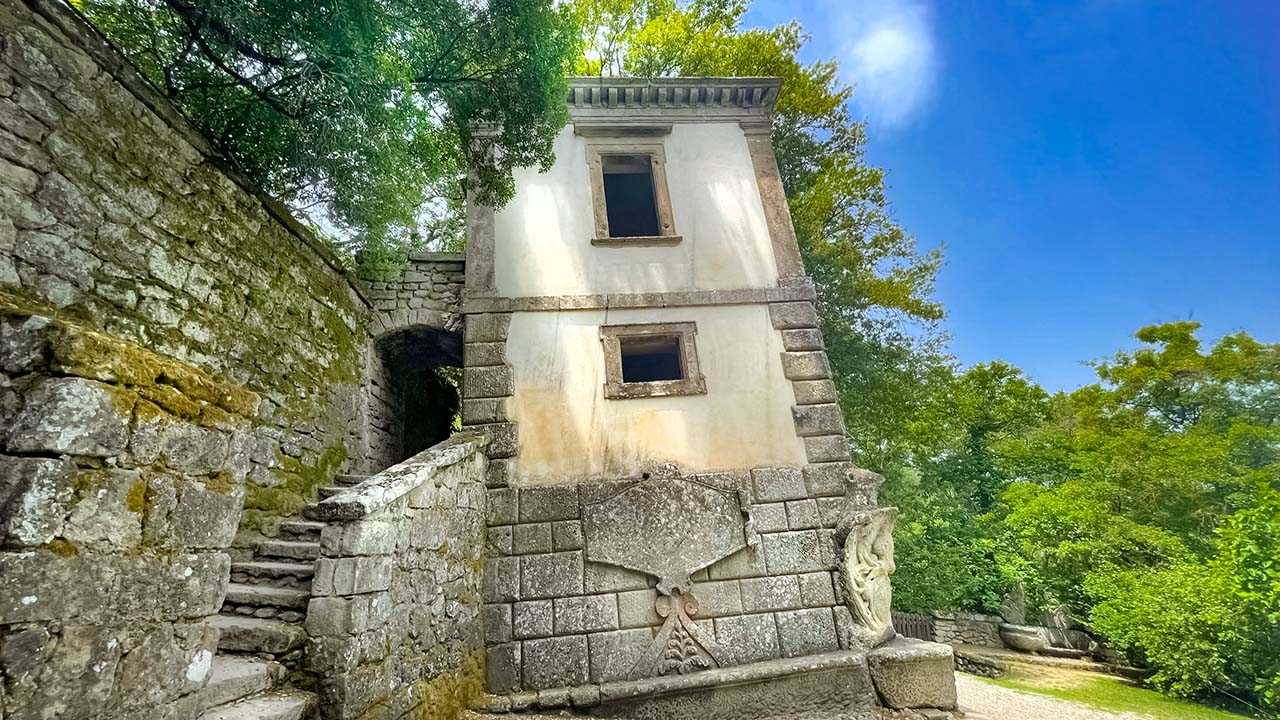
1106, 693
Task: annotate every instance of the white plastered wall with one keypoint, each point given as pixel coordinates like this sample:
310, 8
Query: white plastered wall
543, 236
569, 430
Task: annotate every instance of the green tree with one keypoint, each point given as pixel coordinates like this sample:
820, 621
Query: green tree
366, 110
945, 541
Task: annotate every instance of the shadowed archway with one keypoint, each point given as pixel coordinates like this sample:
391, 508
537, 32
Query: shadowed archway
415, 397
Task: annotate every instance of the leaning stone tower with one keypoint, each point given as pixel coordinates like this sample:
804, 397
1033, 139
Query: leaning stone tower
671, 504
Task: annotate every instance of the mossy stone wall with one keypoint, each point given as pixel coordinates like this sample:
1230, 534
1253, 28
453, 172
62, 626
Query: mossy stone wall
113, 212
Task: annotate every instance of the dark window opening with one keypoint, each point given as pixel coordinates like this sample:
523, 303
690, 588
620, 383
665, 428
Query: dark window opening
646, 358
414, 399
630, 204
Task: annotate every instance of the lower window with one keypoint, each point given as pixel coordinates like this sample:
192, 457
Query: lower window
651, 360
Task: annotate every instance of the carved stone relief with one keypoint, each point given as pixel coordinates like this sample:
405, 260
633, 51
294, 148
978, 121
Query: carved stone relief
864, 545
670, 527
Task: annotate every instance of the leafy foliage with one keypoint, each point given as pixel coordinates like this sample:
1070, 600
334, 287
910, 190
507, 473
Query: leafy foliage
366, 111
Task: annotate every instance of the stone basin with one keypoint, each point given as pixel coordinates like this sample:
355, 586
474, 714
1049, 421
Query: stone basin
1024, 638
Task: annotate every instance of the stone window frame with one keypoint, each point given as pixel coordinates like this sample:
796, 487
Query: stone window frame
693, 382
597, 149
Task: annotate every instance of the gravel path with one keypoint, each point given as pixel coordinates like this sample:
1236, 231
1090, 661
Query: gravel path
984, 701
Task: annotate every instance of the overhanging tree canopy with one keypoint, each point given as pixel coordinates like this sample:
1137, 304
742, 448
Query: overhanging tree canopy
363, 109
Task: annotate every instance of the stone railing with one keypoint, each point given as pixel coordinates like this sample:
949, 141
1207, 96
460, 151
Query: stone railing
394, 618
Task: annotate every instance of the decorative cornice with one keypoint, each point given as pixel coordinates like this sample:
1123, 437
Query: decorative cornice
644, 101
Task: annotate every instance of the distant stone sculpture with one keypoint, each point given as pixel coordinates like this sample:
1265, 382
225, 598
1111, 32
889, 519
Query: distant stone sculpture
1013, 608
865, 542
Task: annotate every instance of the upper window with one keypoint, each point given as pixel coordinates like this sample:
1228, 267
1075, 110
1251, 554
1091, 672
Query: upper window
651, 360
630, 204
629, 192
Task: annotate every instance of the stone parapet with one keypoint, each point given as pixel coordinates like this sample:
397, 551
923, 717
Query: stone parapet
393, 622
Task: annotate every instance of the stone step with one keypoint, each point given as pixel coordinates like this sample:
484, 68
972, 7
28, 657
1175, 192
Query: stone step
328, 491
287, 704
349, 480
289, 549
254, 635
301, 530
234, 678
274, 574
239, 594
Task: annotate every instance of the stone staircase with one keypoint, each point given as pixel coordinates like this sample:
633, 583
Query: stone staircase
262, 640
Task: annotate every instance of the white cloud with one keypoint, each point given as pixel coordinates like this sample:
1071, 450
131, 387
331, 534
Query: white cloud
889, 57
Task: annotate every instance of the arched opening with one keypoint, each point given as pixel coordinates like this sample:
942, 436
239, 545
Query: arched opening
415, 398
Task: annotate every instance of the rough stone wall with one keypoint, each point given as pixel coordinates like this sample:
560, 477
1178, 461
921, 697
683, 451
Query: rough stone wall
112, 209
121, 482
427, 292
956, 628
394, 618
553, 619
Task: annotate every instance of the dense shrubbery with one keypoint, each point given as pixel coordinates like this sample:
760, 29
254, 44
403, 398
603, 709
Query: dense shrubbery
1149, 502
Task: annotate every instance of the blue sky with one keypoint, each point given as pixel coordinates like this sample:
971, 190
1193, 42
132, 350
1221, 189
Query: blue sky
1091, 167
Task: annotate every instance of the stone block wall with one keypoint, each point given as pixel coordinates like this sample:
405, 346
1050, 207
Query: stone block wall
554, 619
113, 210
957, 628
121, 483
394, 617
428, 292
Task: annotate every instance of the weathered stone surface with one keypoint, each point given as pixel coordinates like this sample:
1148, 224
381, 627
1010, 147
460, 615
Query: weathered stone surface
485, 353
806, 632
1013, 606
802, 339
636, 609
614, 654
34, 498
813, 392
792, 552
830, 685
555, 662
818, 419
793, 315
24, 343
587, 613
748, 638
827, 479
685, 526
531, 538
809, 365
487, 327
551, 575
551, 502
496, 381
817, 590
769, 517
826, 448
502, 668
911, 673
566, 535
774, 592
777, 484
533, 619
73, 416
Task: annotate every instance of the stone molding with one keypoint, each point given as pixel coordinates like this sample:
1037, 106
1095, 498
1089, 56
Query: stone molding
472, 304
649, 102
